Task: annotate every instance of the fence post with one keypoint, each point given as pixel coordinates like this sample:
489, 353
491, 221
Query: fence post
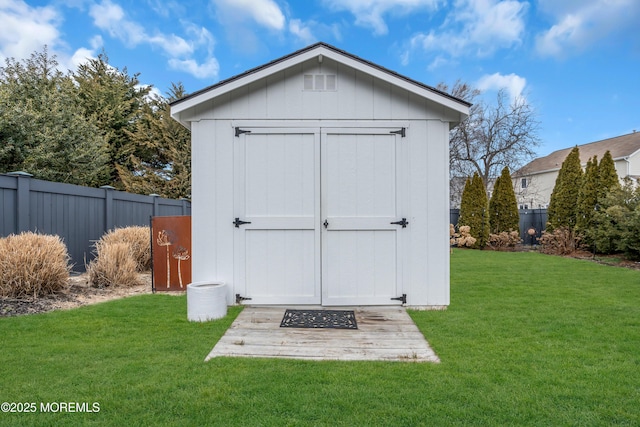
23, 211
156, 203
108, 207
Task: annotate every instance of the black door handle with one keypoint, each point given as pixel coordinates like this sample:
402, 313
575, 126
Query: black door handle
326, 223
238, 222
403, 222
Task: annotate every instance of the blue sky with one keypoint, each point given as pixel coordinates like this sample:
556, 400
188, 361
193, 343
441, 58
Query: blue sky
577, 62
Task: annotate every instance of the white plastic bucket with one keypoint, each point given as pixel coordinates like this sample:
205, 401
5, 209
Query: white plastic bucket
206, 301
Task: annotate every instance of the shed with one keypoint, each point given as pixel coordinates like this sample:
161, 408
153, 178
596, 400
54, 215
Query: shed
321, 178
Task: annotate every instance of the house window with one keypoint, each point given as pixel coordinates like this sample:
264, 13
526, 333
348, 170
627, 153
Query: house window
524, 183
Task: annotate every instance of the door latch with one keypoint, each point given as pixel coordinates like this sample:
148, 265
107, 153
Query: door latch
326, 223
403, 223
402, 299
240, 299
238, 222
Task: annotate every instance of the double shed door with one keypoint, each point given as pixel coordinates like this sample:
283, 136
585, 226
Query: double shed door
315, 209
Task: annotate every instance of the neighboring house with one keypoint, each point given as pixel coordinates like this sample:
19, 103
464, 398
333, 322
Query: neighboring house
321, 178
534, 182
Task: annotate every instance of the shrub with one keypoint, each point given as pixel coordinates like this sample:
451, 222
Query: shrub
137, 239
503, 207
463, 238
33, 265
504, 240
562, 241
113, 266
474, 210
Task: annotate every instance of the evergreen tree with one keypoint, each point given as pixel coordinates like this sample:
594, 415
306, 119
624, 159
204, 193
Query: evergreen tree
562, 210
607, 175
114, 100
503, 206
166, 167
42, 130
474, 210
615, 226
588, 195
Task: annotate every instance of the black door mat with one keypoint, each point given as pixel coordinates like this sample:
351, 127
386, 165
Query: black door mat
335, 319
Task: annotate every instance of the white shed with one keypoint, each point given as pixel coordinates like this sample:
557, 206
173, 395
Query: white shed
321, 178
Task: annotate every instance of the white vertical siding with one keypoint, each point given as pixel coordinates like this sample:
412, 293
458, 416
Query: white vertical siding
427, 277
212, 206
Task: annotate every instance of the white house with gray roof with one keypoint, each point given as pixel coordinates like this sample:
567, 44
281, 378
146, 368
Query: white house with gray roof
534, 182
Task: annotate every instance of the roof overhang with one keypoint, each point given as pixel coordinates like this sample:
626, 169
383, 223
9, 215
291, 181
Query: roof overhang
316, 51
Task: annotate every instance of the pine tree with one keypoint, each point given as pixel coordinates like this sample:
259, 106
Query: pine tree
503, 206
562, 210
607, 176
42, 128
114, 100
474, 210
167, 145
588, 195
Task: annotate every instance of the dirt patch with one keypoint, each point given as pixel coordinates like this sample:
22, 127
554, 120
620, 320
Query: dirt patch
77, 294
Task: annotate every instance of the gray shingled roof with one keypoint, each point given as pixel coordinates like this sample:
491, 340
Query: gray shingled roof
620, 147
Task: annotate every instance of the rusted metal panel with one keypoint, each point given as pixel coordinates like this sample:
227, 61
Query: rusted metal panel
171, 249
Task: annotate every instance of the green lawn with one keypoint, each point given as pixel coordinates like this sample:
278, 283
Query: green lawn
528, 340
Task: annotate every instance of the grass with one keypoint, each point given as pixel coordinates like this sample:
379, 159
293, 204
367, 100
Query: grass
529, 339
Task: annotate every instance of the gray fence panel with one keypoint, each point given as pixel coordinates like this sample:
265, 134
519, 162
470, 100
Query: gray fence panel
8, 199
529, 218
79, 215
532, 218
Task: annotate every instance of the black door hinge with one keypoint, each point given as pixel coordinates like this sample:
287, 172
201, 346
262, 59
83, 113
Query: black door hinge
403, 298
240, 131
238, 222
403, 222
240, 298
402, 132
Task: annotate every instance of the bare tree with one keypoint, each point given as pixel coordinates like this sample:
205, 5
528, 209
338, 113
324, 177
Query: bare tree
496, 135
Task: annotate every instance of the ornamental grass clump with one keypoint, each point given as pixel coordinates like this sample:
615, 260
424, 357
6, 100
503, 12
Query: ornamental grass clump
113, 266
120, 255
33, 265
137, 239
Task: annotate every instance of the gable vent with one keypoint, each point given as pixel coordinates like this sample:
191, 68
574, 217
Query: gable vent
320, 82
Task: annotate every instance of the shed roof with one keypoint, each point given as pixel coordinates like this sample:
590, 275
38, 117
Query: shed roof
316, 50
620, 147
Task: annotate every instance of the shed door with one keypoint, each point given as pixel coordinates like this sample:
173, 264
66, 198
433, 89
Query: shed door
277, 188
361, 197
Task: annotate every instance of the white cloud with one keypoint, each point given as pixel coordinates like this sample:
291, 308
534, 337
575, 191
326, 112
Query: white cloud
476, 26
207, 70
172, 44
580, 24
512, 83
111, 18
370, 13
26, 29
302, 31
264, 12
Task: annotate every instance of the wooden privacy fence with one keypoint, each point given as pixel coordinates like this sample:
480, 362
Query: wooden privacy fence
79, 215
529, 218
